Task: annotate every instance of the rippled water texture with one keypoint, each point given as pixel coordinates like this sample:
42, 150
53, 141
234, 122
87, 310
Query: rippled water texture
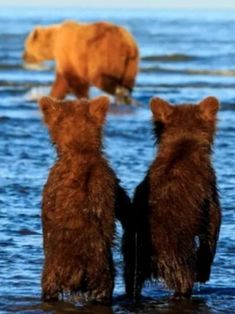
185, 56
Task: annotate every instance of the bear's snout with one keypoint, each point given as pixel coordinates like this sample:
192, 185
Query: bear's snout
24, 56
29, 58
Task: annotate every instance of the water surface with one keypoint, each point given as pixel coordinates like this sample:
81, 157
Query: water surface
185, 57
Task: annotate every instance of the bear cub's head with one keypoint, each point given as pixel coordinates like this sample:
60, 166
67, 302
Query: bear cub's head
197, 122
75, 125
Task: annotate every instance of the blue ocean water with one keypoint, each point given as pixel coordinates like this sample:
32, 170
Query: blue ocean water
185, 56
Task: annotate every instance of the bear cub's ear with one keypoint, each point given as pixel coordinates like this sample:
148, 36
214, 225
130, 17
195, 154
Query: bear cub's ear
209, 108
50, 109
161, 109
98, 108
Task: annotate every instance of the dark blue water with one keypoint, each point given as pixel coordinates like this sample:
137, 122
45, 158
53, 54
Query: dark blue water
185, 57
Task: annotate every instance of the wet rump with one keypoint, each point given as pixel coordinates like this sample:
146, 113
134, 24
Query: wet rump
177, 269
83, 269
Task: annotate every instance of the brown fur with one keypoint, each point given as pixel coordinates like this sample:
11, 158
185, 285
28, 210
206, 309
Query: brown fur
81, 198
100, 54
177, 203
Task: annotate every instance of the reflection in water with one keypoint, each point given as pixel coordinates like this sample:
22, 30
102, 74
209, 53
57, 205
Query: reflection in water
63, 307
146, 305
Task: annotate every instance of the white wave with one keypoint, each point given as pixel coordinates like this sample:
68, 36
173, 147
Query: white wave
35, 93
222, 72
35, 66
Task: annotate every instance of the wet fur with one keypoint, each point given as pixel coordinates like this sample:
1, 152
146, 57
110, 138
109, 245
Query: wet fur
81, 199
176, 207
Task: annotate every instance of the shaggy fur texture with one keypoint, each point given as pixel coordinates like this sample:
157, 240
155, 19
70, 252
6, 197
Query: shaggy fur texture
100, 54
81, 198
176, 206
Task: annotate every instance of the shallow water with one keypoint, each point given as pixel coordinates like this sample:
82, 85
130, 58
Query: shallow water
185, 57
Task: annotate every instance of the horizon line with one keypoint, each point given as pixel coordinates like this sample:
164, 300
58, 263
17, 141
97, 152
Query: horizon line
101, 7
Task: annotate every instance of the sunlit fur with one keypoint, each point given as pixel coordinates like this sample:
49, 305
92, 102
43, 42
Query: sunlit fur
100, 54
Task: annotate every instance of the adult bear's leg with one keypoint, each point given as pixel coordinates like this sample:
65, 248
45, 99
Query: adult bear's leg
60, 87
78, 86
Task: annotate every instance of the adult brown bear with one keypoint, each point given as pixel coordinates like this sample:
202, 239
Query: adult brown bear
176, 206
99, 54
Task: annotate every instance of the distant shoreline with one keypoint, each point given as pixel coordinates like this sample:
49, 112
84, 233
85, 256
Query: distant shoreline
105, 8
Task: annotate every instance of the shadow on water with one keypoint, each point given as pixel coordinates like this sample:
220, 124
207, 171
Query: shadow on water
158, 302
63, 307
120, 306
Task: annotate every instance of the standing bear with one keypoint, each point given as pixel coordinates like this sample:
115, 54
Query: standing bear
81, 199
176, 206
99, 54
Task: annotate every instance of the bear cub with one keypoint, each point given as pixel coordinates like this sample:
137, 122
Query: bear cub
177, 209
81, 199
